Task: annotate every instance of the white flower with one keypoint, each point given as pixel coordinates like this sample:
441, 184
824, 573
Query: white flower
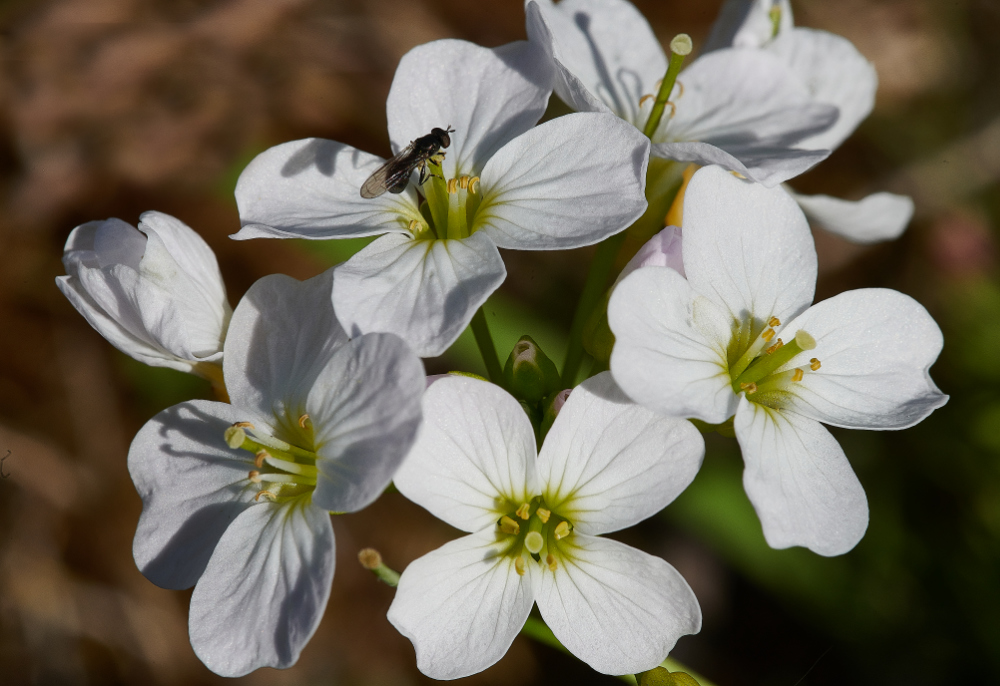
157, 295
744, 110
709, 347
326, 421
570, 182
834, 73
534, 526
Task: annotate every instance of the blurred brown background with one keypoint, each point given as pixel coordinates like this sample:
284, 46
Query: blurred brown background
114, 107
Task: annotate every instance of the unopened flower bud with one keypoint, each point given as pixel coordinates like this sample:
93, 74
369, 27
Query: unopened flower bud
529, 373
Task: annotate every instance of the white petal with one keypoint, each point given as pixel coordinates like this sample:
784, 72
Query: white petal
614, 607
609, 463
570, 182
462, 605
747, 24
474, 458
264, 591
799, 481
835, 73
423, 291
489, 96
192, 487
876, 347
191, 253
365, 410
670, 347
768, 165
282, 336
878, 217
608, 47
312, 189
747, 247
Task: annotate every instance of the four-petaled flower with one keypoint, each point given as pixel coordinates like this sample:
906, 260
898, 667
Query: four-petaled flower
738, 337
156, 294
534, 525
236, 496
505, 183
742, 109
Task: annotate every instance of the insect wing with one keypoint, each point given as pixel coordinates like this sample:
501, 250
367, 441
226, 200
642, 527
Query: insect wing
391, 176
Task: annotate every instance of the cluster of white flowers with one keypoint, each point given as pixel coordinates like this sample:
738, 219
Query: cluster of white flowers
323, 397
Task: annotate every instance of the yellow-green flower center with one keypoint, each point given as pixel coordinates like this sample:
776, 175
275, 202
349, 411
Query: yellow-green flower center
754, 359
450, 206
282, 471
533, 532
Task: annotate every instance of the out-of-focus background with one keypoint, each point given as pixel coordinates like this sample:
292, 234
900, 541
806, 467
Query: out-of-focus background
114, 107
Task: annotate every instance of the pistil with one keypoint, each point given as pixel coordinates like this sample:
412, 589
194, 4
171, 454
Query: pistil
680, 47
773, 358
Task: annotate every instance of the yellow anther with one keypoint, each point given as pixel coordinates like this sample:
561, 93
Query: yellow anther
519, 565
543, 514
773, 348
243, 425
259, 458
452, 186
265, 494
550, 560
673, 109
646, 97
463, 182
534, 542
562, 531
814, 364
304, 420
680, 92
767, 335
509, 526
774, 321
797, 375
738, 175
474, 184
414, 226
254, 476
750, 388
524, 512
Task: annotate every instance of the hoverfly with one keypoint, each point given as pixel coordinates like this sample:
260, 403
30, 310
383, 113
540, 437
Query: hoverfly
395, 174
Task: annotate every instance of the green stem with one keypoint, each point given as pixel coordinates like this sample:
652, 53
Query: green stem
680, 47
481, 330
539, 631
593, 290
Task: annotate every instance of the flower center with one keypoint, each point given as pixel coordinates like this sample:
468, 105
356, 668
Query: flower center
449, 207
754, 371
534, 532
282, 471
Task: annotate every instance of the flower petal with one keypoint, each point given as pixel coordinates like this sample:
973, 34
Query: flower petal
282, 336
748, 24
768, 165
570, 182
489, 96
747, 247
876, 347
192, 487
616, 608
423, 291
799, 481
835, 73
190, 252
474, 458
462, 605
264, 590
311, 188
670, 346
365, 408
608, 48
609, 463
878, 217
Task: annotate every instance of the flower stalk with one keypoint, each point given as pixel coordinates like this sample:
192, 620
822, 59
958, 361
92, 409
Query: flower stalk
680, 47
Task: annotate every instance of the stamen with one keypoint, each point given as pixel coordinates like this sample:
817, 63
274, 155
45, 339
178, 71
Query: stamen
524, 512
254, 476
235, 436
647, 96
452, 186
474, 185
797, 375
304, 420
673, 109
265, 494
509, 526
519, 565
244, 425
259, 459
814, 364
550, 560
774, 347
562, 531
414, 225
534, 542
307, 470
774, 321
463, 182
750, 388
543, 514
680, 90
767, 335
